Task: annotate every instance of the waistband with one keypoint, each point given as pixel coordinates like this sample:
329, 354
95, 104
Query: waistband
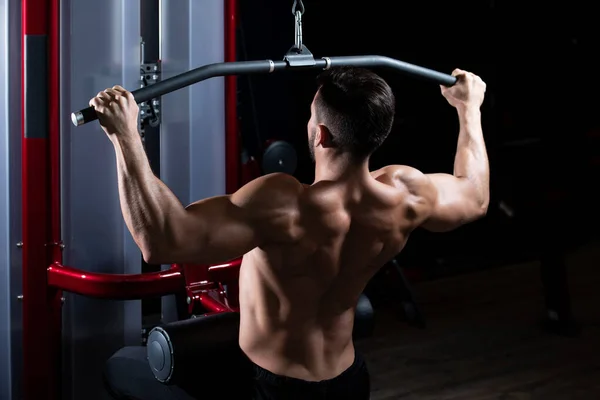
348, 375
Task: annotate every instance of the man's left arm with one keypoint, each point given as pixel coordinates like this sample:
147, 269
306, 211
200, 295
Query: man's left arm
210, 231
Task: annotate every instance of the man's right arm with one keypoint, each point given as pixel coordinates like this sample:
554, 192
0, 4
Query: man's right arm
463, 196
443, 201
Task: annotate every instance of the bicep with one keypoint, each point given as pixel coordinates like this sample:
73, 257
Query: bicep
453, 202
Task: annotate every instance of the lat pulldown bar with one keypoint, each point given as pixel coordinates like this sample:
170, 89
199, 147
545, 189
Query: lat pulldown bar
268, 66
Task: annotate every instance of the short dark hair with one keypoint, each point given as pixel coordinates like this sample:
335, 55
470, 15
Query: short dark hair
357, 106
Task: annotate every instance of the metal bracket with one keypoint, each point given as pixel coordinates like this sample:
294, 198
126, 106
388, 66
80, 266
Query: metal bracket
296, 57
150, 110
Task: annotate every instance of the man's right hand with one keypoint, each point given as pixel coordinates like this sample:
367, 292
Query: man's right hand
468, 91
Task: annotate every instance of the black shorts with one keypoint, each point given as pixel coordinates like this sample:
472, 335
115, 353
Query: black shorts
353, 383
128, 376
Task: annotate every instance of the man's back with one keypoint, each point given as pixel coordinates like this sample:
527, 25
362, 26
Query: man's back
297, 299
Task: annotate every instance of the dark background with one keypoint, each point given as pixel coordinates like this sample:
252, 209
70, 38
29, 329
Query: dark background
538, 61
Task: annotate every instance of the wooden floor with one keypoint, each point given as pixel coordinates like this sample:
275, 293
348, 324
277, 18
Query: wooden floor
484, 340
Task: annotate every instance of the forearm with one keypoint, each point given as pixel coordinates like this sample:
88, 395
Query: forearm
471, 161
149, 207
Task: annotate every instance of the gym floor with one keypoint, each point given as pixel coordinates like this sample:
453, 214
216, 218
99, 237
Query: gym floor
484, 339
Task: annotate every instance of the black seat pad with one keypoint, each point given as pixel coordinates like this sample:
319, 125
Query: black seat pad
127, 376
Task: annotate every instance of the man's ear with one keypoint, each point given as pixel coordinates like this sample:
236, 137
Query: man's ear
324, 137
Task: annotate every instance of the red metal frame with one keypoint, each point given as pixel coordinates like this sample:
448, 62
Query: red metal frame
232, 146
115, 286
210, 289
41, 304
214, 288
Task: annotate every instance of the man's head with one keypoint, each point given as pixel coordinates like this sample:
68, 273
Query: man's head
351, 114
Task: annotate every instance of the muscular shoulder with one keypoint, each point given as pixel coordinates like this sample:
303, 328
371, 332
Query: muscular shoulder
403, 177
271, 201
272, 190
417, 185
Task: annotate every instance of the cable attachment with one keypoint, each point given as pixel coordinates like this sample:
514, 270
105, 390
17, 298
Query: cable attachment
298, 10
298, 31
299, 55
296, 5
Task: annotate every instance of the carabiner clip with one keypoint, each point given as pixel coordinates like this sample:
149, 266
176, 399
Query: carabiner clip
298, 31
298, 3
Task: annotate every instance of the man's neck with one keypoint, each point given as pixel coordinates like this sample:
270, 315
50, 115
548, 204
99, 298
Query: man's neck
340, 168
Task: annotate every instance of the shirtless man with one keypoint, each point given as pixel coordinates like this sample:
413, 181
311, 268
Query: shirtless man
309, 251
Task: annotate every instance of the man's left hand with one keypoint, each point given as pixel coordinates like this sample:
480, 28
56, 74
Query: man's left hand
117, 112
